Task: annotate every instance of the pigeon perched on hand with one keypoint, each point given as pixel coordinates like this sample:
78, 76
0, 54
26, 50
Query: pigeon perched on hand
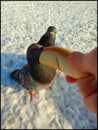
35, 76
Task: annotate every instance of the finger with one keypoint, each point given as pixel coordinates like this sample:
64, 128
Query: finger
70, 79
91, 102
87, 86
86, 63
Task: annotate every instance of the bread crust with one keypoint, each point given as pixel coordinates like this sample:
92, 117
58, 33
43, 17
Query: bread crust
56, 57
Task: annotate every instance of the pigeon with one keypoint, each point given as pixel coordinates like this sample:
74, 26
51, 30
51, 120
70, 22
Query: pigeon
35, 76
48, 39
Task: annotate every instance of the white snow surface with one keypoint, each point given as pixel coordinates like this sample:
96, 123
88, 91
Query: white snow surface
23, 23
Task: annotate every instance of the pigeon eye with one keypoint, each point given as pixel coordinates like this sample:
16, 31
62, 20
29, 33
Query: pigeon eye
31, 48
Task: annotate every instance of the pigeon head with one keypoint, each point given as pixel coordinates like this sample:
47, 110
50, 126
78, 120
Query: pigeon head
33, 54
51, 29
48, 39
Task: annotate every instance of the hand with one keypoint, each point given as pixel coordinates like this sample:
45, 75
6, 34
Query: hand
86, 63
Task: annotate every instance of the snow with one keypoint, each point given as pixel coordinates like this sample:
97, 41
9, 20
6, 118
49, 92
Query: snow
23, 23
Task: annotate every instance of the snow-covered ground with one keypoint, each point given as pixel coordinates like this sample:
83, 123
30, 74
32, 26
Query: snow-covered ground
23, 23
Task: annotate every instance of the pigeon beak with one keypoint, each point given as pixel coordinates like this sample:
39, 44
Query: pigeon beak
52, 33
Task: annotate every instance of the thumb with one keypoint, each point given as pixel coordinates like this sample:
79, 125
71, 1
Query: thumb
86, 63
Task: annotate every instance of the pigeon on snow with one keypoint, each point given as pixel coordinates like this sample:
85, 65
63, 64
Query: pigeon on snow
35, 76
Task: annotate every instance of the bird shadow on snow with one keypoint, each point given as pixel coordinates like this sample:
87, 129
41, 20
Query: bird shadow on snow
10, 62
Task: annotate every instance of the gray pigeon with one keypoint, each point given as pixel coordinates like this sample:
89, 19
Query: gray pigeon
48, 39
35, 76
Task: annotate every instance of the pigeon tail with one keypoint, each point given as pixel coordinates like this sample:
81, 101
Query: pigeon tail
15, 74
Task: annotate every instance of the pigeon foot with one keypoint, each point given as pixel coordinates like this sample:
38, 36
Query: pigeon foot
32, 95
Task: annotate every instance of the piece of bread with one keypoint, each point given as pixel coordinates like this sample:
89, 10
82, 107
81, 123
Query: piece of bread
56, 57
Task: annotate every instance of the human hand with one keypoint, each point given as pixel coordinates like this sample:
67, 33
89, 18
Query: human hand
86, 63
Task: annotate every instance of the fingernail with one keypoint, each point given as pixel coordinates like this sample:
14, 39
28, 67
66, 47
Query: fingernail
73, 56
